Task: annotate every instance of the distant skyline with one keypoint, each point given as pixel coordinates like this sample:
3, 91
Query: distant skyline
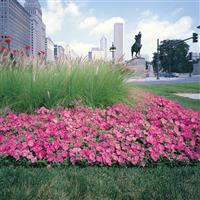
81, 24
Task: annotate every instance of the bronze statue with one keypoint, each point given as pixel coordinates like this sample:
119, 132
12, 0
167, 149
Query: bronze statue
137, 45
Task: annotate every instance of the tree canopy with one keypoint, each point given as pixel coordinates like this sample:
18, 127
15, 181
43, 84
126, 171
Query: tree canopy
173, 57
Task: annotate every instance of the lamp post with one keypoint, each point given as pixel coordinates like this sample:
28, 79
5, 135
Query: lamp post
27, 50
158, 59
8, 40
112, 50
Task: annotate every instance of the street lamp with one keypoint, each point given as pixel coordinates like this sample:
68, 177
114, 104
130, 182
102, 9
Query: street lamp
27, 47
198, 26
8, 40
113, 49
158, 59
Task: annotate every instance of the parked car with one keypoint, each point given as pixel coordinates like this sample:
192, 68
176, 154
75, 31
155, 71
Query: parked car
171, 75
168, 74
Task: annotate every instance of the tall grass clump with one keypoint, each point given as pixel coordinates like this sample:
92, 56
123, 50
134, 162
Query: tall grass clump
25, 88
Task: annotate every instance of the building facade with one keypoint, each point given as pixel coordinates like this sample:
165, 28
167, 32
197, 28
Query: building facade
118, 40
49, 50
15, 22
59, 52
38, 29
96, 54
103, 46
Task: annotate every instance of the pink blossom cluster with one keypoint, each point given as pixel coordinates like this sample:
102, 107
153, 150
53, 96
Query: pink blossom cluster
116, 135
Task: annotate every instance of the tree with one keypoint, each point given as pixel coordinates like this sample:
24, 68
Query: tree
173, 57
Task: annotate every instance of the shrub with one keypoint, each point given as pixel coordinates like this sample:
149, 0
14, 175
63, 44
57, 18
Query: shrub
24, 89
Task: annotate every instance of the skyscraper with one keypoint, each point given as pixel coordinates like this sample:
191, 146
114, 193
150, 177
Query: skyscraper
103, 46
49, 49
38, 29
118, 40
103, 43
15, 22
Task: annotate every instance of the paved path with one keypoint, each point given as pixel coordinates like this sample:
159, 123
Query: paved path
191, 96
163, 80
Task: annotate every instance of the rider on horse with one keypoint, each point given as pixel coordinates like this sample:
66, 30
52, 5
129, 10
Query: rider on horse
137, 45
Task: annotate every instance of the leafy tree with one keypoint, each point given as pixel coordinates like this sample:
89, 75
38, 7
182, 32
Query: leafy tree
173, 57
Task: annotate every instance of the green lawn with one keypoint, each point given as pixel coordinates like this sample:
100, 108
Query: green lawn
100, 183
169, 90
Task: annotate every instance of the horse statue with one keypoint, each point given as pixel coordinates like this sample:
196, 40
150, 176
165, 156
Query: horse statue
137, 45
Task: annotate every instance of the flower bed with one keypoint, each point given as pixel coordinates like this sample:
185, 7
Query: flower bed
115, 135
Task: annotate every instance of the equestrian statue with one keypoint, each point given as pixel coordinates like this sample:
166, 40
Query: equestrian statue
137, 45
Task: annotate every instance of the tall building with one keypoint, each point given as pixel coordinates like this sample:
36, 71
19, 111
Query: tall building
118, 40
38, 29
15, 22
59, 52
103, 43
103, 46
49, 49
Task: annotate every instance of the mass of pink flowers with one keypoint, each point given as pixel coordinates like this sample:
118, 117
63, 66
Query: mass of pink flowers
116, 135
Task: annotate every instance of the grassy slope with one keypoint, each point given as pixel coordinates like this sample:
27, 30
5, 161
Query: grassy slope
100, 183
169, 91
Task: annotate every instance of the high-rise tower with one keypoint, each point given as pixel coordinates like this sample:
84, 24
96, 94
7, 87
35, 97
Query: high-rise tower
103, 46
38, 29
118, 40
15, 22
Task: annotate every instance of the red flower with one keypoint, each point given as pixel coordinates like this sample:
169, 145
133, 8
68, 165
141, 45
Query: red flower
8, 40
28, 46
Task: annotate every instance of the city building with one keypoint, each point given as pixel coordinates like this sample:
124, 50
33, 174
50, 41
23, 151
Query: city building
49, 49
196, 63
59, 52
96, 54
118, 40
14, 22
103, 46
38, 29
99, 53
89, 55
69, 52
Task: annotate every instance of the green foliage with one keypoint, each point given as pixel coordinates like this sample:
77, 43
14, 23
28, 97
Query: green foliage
95, 84
173, 57
91, 183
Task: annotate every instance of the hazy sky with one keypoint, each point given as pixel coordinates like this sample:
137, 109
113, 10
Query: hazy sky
82, 23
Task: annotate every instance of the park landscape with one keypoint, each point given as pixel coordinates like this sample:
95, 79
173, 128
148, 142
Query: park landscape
83, 121
78, 130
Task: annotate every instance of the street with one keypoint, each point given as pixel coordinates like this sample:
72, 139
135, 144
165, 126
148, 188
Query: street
163, 80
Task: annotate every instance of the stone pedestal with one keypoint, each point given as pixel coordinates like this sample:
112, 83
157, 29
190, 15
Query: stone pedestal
138, 66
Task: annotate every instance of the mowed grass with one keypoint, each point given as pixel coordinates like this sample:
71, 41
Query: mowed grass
169, 91
24, 89
76, 183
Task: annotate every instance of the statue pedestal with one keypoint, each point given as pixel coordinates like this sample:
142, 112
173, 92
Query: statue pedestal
138, 67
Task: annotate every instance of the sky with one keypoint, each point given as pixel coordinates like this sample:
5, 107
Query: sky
81, 23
